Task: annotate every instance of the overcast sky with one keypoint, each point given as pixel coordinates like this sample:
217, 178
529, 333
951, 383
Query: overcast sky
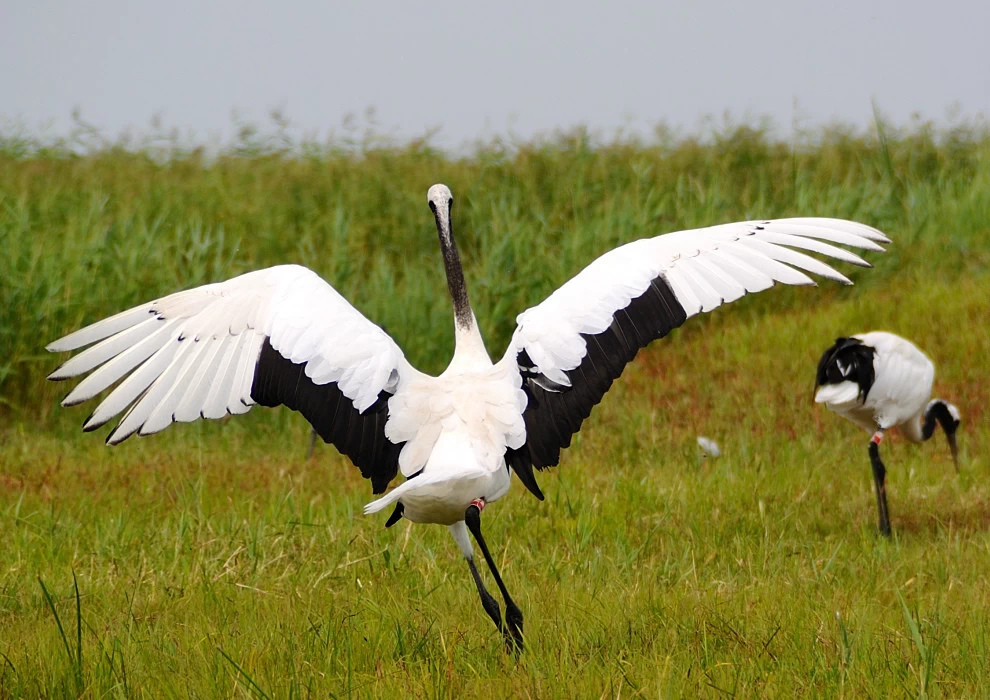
478, 69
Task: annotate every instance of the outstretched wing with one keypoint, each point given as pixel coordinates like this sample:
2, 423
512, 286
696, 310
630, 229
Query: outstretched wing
276, 336
571, 347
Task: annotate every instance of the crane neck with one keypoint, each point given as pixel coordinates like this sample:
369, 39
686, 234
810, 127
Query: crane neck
463, 315
937, 410
464, 320
469, 347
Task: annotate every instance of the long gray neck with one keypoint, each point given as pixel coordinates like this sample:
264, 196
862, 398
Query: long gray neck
463, 316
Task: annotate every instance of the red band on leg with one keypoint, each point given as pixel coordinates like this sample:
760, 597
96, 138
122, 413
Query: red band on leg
479, 503
877, 437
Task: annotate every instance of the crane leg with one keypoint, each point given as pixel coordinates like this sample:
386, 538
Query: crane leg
879, 482
513, 629
488, 601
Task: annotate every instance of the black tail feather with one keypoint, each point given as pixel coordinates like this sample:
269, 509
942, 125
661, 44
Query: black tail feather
848, 360
520, 463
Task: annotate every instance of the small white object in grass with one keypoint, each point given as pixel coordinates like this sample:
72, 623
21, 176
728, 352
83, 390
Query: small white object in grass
709, 446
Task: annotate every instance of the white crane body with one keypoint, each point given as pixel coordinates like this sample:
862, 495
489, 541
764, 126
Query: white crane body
456, 429
879, 380
900, 392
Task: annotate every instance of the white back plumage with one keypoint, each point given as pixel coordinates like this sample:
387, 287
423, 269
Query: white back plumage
900, 391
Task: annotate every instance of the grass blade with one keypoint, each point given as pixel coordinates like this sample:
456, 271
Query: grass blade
251, 685
58, 620
79, 653
75, 661
919, 643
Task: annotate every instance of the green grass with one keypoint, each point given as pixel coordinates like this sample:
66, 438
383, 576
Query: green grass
214, 560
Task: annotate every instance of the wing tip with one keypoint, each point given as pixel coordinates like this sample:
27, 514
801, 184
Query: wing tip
69, 401
70, 342
115, 439
92, 422
56, 377
73, 341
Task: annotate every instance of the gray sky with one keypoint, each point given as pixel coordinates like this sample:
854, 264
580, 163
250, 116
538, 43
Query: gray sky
479, 69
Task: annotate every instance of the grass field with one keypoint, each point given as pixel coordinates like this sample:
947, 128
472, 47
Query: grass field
214, 560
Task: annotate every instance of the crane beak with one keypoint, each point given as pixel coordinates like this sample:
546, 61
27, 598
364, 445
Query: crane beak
951, 438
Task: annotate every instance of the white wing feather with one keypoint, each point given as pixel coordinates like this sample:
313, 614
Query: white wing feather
193, 354
705, 268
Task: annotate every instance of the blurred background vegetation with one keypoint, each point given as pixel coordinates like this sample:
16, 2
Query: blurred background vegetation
89, 227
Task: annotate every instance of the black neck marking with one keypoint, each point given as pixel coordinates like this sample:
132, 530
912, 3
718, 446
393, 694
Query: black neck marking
939, 411
455, 281
452, 265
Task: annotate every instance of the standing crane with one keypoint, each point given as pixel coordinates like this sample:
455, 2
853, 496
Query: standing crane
878, 380
282, 335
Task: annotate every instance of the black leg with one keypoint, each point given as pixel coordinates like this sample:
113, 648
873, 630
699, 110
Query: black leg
513, 629
487, 599
879, 481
